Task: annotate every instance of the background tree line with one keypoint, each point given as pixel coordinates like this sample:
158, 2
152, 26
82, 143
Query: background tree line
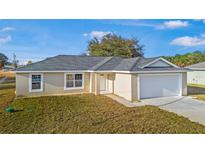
4, 60
187, 59
114, 45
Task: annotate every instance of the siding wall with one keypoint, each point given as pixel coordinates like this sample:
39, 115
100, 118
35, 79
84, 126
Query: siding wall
196, 77
122, 85
159, 63
53, 84
125, 85
92, 75
22, 84
184, 84
134, 87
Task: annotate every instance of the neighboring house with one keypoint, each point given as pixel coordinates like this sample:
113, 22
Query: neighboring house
8, 68
197, 73
130, 78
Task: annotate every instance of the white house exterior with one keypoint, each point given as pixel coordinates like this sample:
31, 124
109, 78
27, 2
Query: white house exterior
196, 75
130, 78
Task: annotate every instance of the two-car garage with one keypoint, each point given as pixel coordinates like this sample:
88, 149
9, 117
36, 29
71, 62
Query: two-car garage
159, 85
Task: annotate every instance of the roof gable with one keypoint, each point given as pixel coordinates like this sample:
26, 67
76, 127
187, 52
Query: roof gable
160, 62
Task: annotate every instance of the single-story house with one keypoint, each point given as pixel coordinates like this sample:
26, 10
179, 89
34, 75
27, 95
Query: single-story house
197, 73
130, 78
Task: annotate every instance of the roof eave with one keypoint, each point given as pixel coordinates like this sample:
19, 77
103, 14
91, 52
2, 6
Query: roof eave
102, 71
197, 69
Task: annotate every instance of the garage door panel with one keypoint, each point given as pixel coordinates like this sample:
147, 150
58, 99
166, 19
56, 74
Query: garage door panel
159, 85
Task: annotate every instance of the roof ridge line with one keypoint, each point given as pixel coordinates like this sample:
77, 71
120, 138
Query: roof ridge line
97, 66
137, 60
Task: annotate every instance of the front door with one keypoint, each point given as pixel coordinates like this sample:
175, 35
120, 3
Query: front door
102, 82
109, 86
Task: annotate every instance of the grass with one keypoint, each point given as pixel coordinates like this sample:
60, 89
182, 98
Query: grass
9, 82
198, 96
8, 74
6, 98
87, 114
197, 85
7, 86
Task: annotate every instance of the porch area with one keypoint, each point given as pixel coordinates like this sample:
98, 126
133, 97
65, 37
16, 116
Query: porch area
102, 83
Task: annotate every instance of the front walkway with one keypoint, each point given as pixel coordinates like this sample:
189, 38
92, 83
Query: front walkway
182, 105
121, 100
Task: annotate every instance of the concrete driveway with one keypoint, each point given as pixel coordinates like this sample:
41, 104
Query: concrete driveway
186, 106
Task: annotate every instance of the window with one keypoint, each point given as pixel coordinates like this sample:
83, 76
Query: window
36, 81
74, 81
69, 80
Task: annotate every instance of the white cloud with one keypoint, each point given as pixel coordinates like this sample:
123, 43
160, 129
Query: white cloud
5, 39
173, 24
202, 20
97, 34
188, 41
202, 34
85, 34
6, 29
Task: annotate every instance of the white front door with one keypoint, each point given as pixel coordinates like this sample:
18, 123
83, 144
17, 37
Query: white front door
110, 84
160, 85
102, 82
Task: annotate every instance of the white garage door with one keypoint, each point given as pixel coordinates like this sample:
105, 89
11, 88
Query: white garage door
160, 85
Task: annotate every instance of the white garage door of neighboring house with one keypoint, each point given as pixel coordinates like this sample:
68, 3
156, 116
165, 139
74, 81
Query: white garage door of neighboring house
160, 85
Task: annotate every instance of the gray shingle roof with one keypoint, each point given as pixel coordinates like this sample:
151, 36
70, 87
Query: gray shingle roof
198, 66
64, 62
143, 61
95, 67
84, 63
127, 64
111, 64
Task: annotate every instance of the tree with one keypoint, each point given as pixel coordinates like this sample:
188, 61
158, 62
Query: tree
187, 59
15, 61
3, 60
29, 62
113, 45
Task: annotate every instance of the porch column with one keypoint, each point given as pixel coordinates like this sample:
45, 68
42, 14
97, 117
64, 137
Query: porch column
91, 82
97, 83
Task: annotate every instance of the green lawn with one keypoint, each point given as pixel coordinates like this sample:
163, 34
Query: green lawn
198, 96
7, 86
197, 85
6, 97
87, 114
